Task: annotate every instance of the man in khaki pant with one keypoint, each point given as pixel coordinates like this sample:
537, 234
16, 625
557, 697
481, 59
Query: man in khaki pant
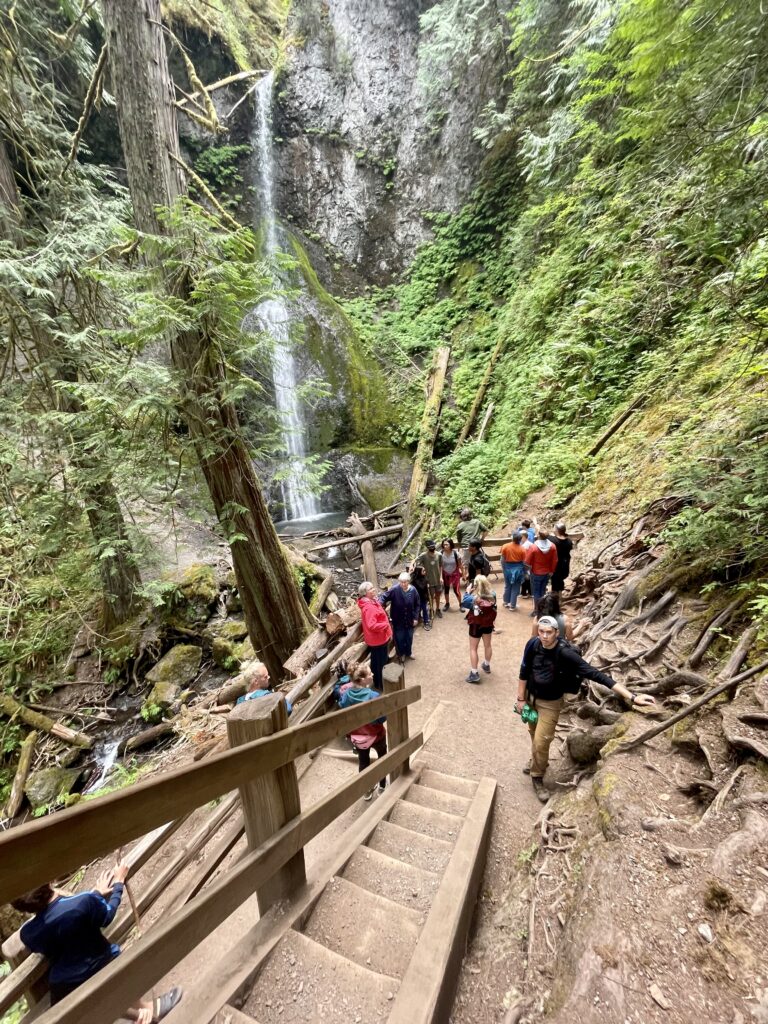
551, 668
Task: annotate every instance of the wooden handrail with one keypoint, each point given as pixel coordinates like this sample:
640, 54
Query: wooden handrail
39, 851
106, 995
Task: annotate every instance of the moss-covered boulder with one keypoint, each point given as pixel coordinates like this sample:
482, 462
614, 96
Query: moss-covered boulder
169, 677
225, 637
193, 598
50, 786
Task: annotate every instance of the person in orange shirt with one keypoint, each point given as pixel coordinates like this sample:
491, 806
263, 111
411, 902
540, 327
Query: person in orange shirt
513, 567
541, 559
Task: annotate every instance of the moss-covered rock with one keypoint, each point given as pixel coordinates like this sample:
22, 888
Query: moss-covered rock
193, 598
50, 786
169, 677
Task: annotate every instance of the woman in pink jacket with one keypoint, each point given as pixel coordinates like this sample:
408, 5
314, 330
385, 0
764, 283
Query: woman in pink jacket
377, 631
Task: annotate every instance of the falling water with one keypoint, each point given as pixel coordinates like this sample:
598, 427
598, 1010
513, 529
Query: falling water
106, 762
298, 499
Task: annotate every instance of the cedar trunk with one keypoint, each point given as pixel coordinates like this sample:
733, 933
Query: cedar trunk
275, 612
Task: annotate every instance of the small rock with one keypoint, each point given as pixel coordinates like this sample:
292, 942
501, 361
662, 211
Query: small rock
705, 932
672, 854
658, 997
758, 904
390, 995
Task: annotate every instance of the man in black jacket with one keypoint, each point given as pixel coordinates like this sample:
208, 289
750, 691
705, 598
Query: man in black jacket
550, 669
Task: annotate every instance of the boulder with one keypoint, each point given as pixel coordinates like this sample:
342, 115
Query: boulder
169, 677
194, 597
49, 786
584, 745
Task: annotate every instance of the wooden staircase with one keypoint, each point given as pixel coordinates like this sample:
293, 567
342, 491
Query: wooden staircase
381, 932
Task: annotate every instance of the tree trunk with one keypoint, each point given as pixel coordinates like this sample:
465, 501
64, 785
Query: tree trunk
430, 421
275, 612
368, 569
480, 394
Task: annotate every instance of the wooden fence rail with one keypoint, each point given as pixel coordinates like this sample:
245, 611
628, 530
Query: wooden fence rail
39, 851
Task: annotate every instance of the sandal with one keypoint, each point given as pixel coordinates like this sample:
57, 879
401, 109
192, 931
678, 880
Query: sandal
162, 1005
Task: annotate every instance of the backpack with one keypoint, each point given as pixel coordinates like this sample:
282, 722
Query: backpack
488, 612
484, 568
570, 681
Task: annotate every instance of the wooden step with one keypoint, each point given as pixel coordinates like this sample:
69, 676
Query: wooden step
386, 876
411, 847
438, 824
428, 986
303, 982
364, 927
438, 800
449, 783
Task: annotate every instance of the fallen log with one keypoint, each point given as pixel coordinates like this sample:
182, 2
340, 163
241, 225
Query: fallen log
369, 571
403, 546
320, 596
368, 535
428, 430
22, 771
316, 673
617, 424
12, 708
321, 639
337, 622
143, 739
486, 421
479, 398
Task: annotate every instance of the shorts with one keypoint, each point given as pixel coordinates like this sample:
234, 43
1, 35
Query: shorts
436, 588
478, 631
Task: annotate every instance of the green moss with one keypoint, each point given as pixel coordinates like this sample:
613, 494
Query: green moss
249, 29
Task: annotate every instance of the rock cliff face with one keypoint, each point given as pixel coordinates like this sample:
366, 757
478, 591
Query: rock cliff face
362, 151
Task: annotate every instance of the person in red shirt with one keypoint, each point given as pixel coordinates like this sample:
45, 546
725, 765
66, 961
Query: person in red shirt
377, 630
541, 559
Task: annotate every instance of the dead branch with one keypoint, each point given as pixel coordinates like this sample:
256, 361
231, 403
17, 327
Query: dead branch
12, 708
94, 90
22, 771
711, 631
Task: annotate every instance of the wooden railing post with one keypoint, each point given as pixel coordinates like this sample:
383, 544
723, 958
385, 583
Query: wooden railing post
269, 800
397, 722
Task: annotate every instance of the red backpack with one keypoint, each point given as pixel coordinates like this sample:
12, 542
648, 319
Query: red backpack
487, 611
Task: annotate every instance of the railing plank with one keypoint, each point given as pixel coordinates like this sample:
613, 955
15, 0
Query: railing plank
106, 995
39, 851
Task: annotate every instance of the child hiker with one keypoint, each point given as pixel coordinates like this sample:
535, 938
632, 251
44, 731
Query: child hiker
366, 737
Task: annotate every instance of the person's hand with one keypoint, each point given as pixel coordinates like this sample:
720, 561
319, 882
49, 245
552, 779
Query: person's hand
643, 700
104, 884
120, 872
145, 1016
519, 705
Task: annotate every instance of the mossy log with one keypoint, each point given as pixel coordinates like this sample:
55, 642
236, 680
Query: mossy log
22, 771
481, 391
430, 421
369, 571
12, 708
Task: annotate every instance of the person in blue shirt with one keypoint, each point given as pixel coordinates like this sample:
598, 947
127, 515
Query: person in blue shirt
405, 606
258, 684
67, 931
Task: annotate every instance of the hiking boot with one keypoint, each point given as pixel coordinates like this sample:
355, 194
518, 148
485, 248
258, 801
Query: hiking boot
369, 795
540, 789
473, 677
438, 614
486, 667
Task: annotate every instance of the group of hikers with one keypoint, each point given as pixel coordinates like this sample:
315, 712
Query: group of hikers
68, 929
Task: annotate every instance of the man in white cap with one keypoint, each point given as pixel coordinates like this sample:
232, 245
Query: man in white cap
552, 667
405, 604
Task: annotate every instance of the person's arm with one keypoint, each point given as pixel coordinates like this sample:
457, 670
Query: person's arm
590, 672
568, 628
522, 682
535, 626
385, 598
553, 561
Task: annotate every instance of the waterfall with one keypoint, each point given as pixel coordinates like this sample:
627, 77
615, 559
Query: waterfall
106, 762
274, 316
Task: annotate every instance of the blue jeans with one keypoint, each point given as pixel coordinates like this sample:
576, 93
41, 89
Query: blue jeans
513, 581
538, 586
403, 640
424, 608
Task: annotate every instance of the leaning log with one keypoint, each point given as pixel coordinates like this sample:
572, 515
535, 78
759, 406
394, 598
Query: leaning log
617, 424
430, 421
368, 569
303, 656
403, 546
12, 708
481, 391
22, 771
368, 535
321, 595
143, 739
317, 671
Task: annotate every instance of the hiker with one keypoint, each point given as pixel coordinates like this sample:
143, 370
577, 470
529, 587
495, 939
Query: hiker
366, 737
467, 529
66, 930
541, 559
477, 561
431, 560
564, 546
258, 684
550, 668
513, 567
405, 614
550, 605
480, 618
377, 631
529, 528
525, 544
451, 569
421, 586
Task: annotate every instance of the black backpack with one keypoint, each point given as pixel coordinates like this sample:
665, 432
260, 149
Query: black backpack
570, 680
485, 566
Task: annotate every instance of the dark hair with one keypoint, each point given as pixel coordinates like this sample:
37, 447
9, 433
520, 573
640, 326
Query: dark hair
474, 544
549, 604
361, 670
525, 522
35, 900
466, 513
447, 540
